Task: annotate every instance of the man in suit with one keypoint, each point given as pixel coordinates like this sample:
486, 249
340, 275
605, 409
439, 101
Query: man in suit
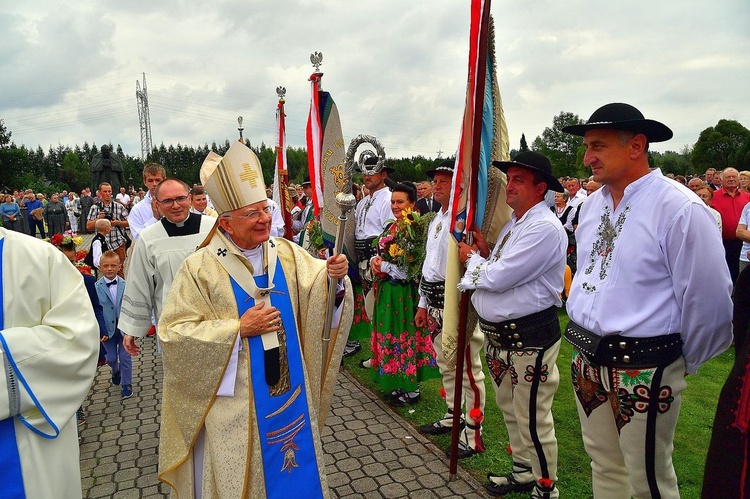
425, 202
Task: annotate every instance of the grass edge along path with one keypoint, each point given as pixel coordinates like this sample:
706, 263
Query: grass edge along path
692, 435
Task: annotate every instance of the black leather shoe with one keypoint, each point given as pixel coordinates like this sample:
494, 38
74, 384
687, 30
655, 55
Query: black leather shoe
405, 398
464, 451
510, 487
438, 428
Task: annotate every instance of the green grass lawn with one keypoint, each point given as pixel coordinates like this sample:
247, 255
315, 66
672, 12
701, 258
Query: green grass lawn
691, 440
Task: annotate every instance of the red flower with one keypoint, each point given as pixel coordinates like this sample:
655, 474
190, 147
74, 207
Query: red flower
56, 239
509, 450
442, 392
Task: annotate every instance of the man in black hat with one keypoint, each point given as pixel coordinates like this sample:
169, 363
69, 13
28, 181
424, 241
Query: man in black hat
430, 315
636, 323
370, 217
517, 295
305, 215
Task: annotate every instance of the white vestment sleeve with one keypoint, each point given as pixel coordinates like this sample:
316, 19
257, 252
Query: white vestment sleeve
140, 292
50, 336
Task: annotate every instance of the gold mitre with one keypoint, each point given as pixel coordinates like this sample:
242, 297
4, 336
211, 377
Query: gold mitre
234, 180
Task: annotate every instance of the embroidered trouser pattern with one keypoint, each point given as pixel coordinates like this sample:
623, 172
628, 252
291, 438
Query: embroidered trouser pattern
628, 418
525, 382
473, 392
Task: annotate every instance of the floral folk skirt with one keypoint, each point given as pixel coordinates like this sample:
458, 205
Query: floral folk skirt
402, 354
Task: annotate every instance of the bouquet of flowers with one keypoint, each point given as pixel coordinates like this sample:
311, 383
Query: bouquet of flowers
404, 243
67, 237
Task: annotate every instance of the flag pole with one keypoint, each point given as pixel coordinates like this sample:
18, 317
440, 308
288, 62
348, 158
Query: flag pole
480, 78
282, 172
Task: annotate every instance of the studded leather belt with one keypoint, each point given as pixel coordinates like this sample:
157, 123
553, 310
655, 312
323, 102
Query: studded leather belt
434, 292
623, 352
364, 248
533, 331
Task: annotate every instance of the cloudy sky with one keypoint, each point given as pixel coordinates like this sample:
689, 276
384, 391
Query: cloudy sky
396, 68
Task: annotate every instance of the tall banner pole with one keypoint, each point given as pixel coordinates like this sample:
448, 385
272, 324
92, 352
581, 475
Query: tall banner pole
468, 162
281, 180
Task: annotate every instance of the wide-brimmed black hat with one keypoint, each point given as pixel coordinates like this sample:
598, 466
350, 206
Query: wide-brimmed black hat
447, 166
370, 166
306, 182
618, 116
534, 162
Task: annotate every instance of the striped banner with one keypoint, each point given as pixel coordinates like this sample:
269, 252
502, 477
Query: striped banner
314, 136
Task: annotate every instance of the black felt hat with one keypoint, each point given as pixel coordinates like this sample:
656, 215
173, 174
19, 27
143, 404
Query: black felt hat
618, 116
534, 162
447, 166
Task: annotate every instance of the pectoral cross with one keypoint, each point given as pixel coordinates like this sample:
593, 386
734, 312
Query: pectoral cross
249, 174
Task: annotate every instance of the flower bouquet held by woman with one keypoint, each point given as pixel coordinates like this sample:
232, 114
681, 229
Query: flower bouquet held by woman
402, 354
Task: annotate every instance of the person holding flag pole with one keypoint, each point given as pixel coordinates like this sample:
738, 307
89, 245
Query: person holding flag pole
477, 201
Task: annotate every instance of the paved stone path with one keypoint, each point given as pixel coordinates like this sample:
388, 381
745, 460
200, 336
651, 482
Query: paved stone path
370, 451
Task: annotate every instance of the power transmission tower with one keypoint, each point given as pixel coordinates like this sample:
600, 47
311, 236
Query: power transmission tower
144, 118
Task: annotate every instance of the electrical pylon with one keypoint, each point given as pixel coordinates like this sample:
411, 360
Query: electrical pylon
143, 117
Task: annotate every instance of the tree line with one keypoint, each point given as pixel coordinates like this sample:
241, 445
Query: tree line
65, 167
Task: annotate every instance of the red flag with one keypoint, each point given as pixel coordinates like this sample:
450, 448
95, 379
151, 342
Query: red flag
314, 135
281, 174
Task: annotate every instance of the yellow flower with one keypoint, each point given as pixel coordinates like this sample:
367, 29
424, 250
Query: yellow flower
395, 251
406, 219
77, 240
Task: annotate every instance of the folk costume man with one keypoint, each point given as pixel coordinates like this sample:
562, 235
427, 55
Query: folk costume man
517, 295
430, 315
161, 249
370, 217
251, 310
49, 344
637, 323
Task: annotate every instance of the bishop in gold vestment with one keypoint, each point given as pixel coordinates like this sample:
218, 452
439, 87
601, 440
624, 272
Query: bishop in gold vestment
226, 392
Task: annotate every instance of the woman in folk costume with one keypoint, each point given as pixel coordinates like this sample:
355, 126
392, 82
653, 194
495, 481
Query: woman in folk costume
402, 354
251, 310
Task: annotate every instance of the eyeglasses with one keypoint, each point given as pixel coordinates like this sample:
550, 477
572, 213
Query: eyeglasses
171, 201
252, 215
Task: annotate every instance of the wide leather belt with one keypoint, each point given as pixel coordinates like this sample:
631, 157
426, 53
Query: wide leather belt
434, 292
623, 352
364, 249
536, 330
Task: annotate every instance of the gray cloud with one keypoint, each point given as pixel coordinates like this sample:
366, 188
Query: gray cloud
396, 69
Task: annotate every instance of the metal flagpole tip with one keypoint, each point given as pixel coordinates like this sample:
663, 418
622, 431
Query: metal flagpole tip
316, 58
240, 128
281, 92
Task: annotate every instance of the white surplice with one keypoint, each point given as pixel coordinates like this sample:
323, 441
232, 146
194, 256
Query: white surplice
53, 338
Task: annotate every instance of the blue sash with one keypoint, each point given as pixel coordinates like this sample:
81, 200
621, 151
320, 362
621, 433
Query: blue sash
290, 467
11, 485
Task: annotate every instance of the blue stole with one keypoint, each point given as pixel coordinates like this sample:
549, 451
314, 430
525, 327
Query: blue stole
290, 467
11, 485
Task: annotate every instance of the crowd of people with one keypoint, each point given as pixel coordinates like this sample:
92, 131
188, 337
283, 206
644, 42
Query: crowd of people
622, 250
